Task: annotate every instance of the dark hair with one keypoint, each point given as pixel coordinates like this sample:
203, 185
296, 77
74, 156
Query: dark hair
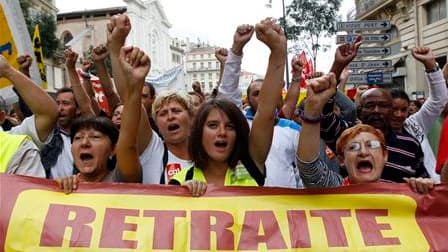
152, 90
67, 90
399, 94
250, 85
241, 147
100, 123
417, 103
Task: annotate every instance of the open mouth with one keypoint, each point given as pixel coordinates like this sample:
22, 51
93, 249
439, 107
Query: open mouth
364, 166
86, 157
173, 127
221, 144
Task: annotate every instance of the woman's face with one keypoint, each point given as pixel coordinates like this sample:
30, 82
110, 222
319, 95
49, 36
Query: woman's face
91, 150
116, 117
218, 136
412, 108
364, 158
174, 122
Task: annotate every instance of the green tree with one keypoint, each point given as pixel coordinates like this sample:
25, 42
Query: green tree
308, 21
47, 27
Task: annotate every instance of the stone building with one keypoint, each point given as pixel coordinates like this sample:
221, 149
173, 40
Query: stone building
414, 23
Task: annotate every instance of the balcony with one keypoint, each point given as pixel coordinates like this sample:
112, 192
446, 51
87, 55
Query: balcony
364, 7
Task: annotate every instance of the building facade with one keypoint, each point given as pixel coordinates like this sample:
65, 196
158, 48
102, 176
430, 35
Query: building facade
202, 66
414, 23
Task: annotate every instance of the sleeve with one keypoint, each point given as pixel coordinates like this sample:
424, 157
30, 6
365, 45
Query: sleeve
434, 105
348, 108
229, 87
442, 155
316, 174
28, 127
26, 161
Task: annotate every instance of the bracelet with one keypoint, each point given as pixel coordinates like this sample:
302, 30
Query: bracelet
307, 119
432, 70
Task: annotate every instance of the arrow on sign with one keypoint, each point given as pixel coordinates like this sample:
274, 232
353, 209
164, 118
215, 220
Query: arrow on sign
370, 64
364, 25
370, 78
366, 38
372, 51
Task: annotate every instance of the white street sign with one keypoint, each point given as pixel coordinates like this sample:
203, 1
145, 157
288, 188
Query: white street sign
364, 25
370, 78
373, 51
366, 38
370, 64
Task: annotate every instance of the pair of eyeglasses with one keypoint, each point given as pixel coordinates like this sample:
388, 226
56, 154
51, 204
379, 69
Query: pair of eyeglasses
369, 144
373, 105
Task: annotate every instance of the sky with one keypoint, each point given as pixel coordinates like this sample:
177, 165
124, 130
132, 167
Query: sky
214, 22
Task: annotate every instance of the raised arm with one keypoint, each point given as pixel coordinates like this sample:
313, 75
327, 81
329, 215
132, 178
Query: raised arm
260, 138
40, 103
231, 75
344, 55
221, 55
117, 30
135, 65
313, 171
100, 54
438, 97
87, 85
293, 90
81, 96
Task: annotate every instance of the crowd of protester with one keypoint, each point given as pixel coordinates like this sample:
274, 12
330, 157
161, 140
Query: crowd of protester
196, 139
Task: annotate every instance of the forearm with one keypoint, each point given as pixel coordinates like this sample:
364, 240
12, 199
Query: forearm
81, 96
87, 85
291, 99
348, 108
263, 125
127, 153
112, 97
316, 174
230, 80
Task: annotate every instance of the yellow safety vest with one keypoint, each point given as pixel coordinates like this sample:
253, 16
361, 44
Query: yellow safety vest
9, 144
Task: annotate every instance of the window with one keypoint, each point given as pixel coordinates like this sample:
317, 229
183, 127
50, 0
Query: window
194, 65
210, 76
436, 10
202, 56
202, 76
210, 85
195, 76
209, 65
217, 64
202, 65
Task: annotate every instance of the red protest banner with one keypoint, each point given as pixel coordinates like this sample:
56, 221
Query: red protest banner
35, 216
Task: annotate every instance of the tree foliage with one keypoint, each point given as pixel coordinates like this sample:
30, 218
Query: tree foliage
308, 21
47, 27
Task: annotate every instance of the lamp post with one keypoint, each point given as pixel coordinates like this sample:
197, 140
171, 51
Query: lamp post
269, 5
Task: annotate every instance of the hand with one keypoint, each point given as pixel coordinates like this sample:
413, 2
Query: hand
85, 65
136, 65
197, 188
68, 184
5, 67
70, 58
272, 35
118, 29
221, 55
242, 35
100, 53
425, 56
320, 90
347, 52
420, 185
316, 75
297, 67
25, 62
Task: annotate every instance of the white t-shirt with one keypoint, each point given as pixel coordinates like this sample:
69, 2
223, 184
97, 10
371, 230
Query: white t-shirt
28, 127
151, 161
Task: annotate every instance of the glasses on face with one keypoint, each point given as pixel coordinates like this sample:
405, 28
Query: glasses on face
369, 145
380, 105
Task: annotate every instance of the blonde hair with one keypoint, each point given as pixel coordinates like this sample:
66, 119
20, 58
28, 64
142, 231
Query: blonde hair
166, 97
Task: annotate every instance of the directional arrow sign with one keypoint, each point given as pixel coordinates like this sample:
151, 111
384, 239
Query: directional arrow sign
372, 51
363, 25
370, 78
370, 64
366, 38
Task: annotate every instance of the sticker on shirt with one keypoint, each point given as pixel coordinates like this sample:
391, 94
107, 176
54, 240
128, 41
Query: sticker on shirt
330, 154
172, 169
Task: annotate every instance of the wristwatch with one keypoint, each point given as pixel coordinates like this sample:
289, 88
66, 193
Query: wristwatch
432, 70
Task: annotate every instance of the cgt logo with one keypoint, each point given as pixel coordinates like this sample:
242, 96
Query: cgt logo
172, 169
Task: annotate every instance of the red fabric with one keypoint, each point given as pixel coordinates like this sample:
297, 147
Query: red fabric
351, 93
442, 156
310, 66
